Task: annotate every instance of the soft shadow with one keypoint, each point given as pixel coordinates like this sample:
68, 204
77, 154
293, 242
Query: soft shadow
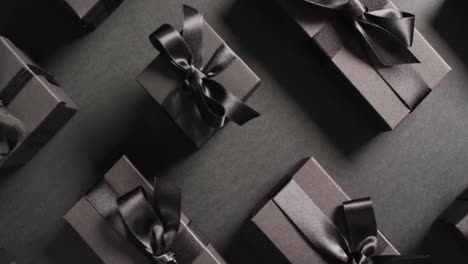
68, 247
304, 72
450, 22
156, 143
444, 246
37, 27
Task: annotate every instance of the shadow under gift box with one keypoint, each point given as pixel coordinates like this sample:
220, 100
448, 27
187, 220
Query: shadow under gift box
4, 257
326, 28
40, 27
160, 79
456, 217
42, 106
108, 245
278, 240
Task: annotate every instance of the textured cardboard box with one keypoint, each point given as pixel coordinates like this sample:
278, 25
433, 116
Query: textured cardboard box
99, 234
325, 28
273, 233
41, 105
161, 78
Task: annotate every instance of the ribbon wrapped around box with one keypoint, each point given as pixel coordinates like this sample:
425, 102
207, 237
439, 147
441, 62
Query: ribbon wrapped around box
124, 219
92, 12
199, 98
456, 216
32, 106
376, 47
5, 258
311, 220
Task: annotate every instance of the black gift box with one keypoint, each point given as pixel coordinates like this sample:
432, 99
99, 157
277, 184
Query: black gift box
160, 79
275, 238
41, 27
340, 43
108, 245
33, 98
456, 216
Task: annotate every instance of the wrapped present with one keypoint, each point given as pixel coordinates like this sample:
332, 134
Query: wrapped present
376, 48
125, 219
456, 216
199, 98
311, 220
33, 107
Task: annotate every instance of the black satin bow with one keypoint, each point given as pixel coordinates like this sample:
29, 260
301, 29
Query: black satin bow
386, 33
153, 221
12, 132
359, 245
213, 101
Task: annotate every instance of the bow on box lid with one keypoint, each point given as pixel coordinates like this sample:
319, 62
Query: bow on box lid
185, 51
386, 33
357, 246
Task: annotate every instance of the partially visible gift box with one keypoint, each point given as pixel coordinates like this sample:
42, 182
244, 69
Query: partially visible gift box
5, 258
311, 220
377, 50
198, 98
40, 28
33, 106
113, 220
456, 216
92, 12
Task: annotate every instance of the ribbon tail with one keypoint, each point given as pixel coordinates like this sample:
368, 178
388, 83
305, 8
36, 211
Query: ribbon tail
383, 47
236, 110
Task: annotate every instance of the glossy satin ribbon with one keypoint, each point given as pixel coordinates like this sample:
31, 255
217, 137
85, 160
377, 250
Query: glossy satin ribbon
12, 130
357, 246
386, 35
150, 221
153, 222
214, 102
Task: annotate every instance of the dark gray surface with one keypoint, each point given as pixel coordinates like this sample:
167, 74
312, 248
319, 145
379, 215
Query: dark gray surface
412, 173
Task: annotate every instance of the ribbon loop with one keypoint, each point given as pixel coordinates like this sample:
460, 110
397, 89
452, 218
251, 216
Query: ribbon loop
186, 53
358, 245
153, 223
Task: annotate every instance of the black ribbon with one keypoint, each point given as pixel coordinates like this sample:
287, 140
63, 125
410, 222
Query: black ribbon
12, 130
153, 222
214, 102
386, 35
150, 221
357, 246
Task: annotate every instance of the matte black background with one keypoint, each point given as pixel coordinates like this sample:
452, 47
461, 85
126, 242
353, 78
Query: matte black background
412, 173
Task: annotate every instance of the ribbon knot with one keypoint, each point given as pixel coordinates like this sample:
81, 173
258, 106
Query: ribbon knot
214, 102
152, 220
354, 9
